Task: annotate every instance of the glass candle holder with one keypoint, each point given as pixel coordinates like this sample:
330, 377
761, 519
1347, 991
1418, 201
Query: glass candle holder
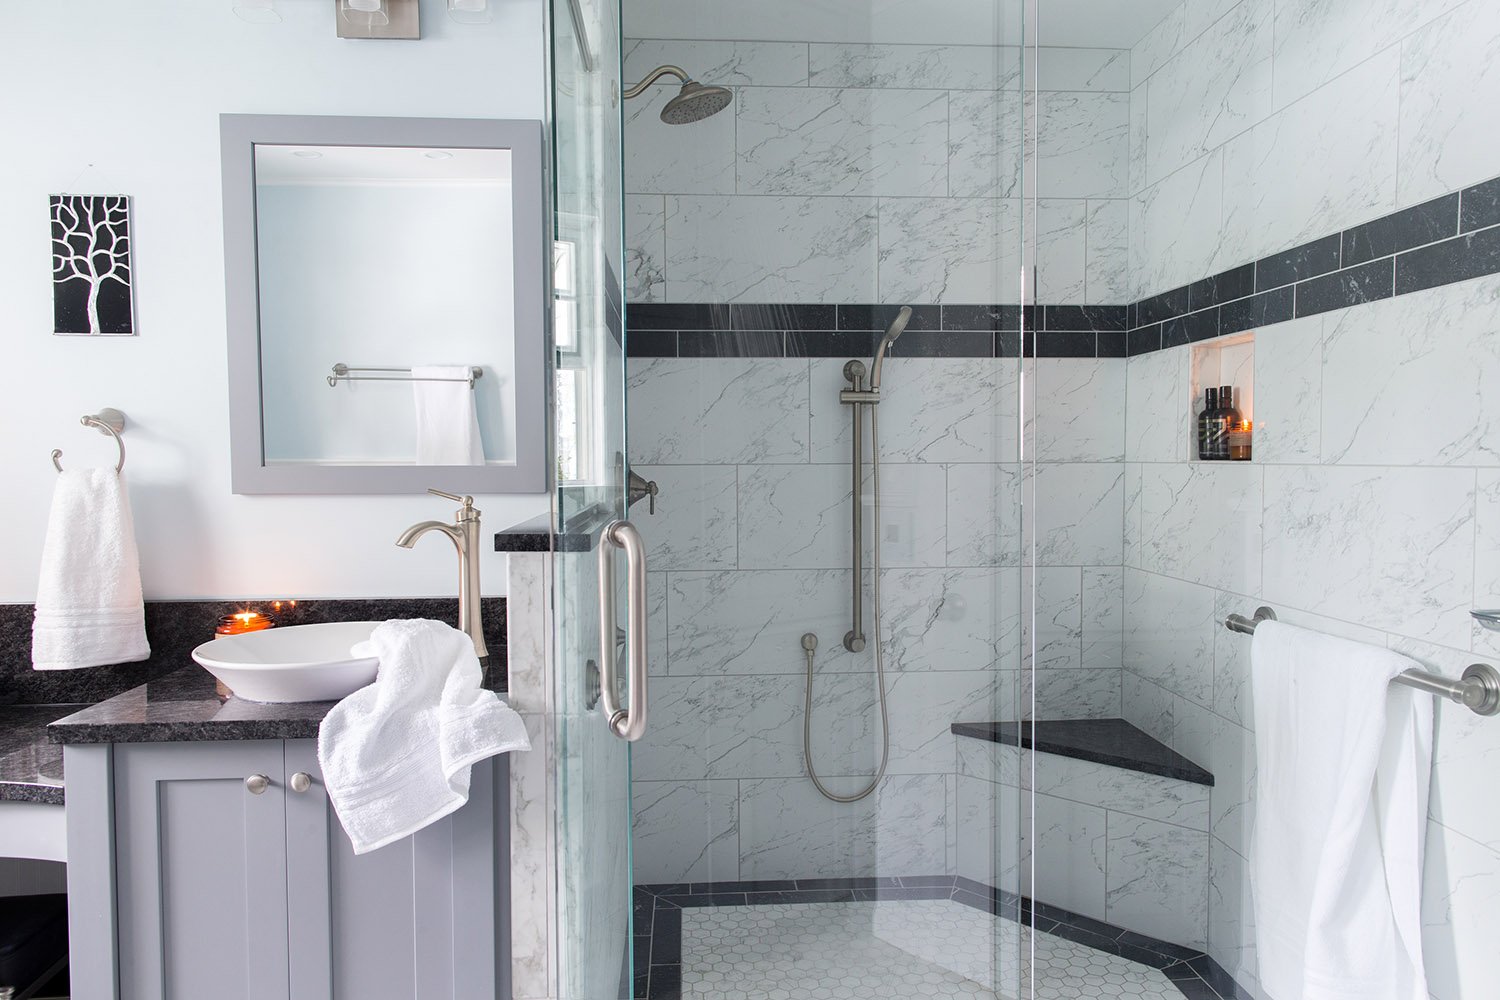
244, 621
1239, 442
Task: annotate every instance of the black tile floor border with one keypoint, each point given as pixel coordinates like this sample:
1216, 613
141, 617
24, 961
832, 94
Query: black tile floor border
658, 925
1452, 238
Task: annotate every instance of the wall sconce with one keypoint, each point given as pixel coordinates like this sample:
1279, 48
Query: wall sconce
469, 11
257, 11
378, 19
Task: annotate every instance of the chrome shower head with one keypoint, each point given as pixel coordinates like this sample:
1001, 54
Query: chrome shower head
897, 327
694, 103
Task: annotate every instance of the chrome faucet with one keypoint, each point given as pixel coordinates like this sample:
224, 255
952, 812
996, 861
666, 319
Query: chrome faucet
464, 534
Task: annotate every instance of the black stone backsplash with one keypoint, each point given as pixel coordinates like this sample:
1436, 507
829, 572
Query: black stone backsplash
1452, 238
174, 628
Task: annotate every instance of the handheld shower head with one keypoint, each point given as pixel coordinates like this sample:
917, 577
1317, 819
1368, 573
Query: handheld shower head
897, 327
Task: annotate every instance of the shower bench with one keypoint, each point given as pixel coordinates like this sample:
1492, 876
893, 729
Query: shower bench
1119, 827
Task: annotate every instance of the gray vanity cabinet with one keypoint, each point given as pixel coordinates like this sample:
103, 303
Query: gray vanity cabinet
223, 892
201, 871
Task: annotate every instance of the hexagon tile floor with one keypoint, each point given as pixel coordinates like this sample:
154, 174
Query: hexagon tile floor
906, 949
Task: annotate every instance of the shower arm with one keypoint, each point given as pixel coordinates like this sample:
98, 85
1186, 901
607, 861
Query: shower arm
653, 76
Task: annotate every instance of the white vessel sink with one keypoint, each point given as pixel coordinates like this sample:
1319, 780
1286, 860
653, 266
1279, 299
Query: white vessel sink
296, 663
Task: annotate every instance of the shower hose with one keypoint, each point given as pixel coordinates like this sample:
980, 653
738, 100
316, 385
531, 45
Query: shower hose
810, 644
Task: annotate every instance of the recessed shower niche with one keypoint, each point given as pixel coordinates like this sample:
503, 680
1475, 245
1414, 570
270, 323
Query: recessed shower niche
1225, 361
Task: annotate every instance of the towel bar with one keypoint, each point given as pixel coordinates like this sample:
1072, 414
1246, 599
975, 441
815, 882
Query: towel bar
1478, 689
343, 373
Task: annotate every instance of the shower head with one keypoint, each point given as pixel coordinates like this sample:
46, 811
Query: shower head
897, 327
693, 103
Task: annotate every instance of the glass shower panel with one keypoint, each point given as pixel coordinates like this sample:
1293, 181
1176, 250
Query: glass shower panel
836, 553
593, 895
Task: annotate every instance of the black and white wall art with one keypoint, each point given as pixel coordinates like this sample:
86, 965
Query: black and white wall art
91, 266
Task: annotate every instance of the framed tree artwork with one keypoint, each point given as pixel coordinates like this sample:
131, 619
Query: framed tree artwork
91, 266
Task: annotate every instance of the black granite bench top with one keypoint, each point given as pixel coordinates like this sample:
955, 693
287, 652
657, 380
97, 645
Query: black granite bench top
31, 766
1101, 741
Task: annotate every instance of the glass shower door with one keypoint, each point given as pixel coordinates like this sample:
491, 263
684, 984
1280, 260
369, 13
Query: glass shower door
592, 860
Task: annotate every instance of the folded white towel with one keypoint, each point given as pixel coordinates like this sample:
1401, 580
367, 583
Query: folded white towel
447, 425
89, 610
1343, 762
396, 755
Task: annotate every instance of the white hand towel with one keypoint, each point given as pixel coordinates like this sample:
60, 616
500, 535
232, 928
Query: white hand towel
89, 610
1343, 762
396, 755
447, 425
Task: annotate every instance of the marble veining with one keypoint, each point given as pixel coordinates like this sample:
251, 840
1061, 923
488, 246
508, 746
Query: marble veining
927, 67
832, 141
759, 249
1158, 879
1449, 73
1403, 379
724, 63
1349, 128
1387, 545
1211, 90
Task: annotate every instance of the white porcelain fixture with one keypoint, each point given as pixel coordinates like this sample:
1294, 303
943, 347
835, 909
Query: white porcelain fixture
296, 663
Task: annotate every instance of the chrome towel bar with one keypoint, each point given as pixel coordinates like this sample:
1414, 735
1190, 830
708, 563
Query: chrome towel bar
344, 373
1478, 689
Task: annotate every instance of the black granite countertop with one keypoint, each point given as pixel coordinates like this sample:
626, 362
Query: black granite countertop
31, 768
1100, 741
185, 707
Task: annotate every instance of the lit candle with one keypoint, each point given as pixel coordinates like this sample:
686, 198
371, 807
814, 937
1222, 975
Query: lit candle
244, 621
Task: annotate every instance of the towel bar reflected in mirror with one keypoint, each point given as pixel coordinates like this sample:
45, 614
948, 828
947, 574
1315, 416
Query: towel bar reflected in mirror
107, 421
1479, 688
344, 373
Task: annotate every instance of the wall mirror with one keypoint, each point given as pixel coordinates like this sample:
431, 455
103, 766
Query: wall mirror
385, 281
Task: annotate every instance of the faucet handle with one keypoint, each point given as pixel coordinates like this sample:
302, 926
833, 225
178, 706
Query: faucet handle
465, 500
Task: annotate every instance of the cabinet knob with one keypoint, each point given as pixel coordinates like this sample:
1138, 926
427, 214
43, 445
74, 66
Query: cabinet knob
257, 783
301, 781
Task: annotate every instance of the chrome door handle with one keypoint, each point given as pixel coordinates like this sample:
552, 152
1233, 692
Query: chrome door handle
257, 783
628, 724
301, 781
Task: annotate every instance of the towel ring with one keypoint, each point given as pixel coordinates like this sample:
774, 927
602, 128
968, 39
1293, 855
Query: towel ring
108, 421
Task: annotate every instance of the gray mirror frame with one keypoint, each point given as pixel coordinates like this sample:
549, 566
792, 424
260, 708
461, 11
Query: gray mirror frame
249, 473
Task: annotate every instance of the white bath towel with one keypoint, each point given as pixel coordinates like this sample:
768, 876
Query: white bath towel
89, 610
1343, 762
447, 424
396, 755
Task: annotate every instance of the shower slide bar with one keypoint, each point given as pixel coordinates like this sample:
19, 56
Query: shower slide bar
1479, 689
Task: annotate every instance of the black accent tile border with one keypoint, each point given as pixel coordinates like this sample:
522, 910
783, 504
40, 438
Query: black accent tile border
1100, 741
658, 925
1449, 239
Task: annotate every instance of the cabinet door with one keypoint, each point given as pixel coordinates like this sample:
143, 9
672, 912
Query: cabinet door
201, 871
415, 920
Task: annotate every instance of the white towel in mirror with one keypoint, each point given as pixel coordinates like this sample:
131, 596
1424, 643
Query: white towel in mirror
447, 424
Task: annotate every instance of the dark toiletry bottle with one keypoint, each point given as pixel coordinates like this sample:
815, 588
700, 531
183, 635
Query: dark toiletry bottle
1206, 424
1231, 420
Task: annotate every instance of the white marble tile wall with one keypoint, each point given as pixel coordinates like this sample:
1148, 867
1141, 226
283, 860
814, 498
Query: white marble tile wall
1128, 848
1371, 511
750, 549
851, 173
1232, 100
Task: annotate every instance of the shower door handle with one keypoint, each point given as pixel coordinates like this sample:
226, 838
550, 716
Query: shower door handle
627, 723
